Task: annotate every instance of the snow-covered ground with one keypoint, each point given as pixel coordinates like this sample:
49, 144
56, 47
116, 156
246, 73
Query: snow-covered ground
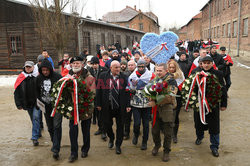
7, 80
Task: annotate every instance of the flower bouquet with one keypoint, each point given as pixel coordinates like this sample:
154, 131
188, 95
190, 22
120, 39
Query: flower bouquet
157, 90
66, 92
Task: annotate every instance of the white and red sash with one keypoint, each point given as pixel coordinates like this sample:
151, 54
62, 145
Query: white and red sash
22, 77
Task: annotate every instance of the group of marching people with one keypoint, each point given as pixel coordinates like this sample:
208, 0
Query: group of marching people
117, 78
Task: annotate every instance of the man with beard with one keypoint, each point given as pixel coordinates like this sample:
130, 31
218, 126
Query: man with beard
124, 67
79, 72
111, 86
95, 71
45, 82
213, 117
114, 56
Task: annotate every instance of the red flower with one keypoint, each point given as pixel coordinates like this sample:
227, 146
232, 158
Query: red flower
153, 87
83, 82
158, 87
91, 100
165, 84
85, 104
86, 96
81, 110
88, 90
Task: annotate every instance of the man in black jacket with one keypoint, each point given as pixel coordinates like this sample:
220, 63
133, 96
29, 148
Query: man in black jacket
25, 98
95, 71
45, 82
213, 118
113, 101
184, 64
218, 59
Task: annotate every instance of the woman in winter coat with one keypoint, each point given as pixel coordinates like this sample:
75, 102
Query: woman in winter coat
174, 68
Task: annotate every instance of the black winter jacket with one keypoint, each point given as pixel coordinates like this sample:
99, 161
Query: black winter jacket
185, 67
25, 93
45, 84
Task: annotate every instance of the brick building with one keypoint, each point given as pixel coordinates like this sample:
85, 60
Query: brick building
192, 30
135, 19
224, 24
19, 40
182, 33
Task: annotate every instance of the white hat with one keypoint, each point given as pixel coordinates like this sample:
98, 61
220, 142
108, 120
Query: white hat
89, 57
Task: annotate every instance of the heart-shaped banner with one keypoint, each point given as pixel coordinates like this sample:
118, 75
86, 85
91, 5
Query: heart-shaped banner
159, 47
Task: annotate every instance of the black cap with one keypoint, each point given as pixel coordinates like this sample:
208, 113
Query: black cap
76, 58
223, 48
213, 46
207, 58
196, 51
95, 60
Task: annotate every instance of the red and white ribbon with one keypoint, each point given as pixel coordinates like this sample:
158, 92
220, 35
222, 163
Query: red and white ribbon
203, 103
164, 45
76, 113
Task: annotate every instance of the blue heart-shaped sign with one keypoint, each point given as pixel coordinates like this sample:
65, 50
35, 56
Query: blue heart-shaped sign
159, 47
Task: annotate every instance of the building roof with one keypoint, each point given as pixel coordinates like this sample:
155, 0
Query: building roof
126, 15
205, 5
198, 16
84, 19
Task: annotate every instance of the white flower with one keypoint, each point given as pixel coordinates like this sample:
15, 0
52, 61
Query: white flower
62, 112
63, 105
186, 88
197, 104
186, 95
53, 89
58, 89
86, 115
60, 99
70, 108
55, 95
193, 98
191, 102
68, 114
188, 82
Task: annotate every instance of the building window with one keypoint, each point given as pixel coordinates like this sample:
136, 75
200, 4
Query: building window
229, 3
234, 28
218, 31
228, 30
141, 26
245, 26
118, 38
15, 44
235, 1
214, 32
103, 39
224, 4
128, 41
127, 25
140, 17
224, 30
86, 41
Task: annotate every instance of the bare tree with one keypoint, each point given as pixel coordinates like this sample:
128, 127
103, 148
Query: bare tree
54, 25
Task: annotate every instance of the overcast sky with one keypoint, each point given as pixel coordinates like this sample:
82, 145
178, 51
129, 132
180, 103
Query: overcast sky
170, 12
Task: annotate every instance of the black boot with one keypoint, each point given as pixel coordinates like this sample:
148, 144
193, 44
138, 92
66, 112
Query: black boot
175, 131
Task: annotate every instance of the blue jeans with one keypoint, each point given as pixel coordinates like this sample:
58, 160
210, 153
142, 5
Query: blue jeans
141, 114
215, 141
35, 117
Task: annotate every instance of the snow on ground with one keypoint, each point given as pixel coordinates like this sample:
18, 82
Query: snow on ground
242, 65
7, 80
